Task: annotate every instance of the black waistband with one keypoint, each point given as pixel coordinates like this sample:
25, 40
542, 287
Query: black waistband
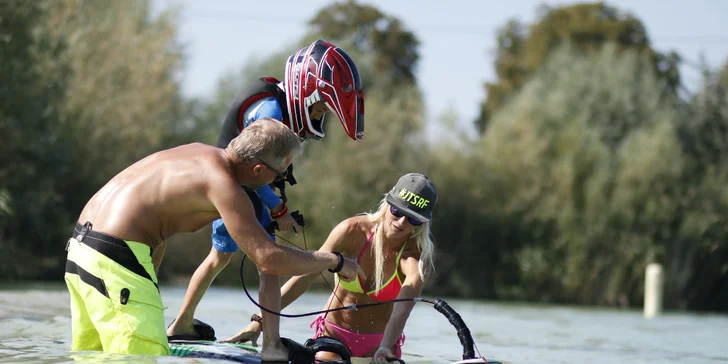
111, 247
86, 232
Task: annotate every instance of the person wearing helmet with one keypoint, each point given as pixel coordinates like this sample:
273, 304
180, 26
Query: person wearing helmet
319, 78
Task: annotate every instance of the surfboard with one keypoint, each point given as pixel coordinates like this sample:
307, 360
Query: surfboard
240, 353
243, 353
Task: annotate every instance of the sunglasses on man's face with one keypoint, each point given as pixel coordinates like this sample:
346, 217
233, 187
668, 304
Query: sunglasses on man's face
280, 176
398, 214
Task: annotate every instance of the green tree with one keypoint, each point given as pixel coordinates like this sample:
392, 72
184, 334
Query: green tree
724, 74
361, 27
32, 93
573, 188
523, 49
89, 88
700, 252
121, 96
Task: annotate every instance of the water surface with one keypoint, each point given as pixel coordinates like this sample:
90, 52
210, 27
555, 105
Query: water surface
35, 327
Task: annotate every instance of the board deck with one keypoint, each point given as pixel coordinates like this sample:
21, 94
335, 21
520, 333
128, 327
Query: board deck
241, 353
244, 353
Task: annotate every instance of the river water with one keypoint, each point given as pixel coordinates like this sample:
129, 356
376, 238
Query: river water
35, 327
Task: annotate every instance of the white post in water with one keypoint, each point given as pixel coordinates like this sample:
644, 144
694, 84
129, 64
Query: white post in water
653, 290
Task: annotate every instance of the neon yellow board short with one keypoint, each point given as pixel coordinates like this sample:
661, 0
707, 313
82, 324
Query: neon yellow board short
115, 302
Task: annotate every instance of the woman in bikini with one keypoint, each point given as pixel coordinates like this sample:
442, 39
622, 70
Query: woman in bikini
394, 247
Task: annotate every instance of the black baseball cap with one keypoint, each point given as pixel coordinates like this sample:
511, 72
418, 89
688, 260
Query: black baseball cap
415, 195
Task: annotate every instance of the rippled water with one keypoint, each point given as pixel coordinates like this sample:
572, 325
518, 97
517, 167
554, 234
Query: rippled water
35, 327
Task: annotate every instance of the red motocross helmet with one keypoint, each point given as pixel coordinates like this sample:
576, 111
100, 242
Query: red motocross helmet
324, 72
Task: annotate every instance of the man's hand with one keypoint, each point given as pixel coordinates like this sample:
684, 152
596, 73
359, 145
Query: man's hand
350, 270
248, 333
285, 223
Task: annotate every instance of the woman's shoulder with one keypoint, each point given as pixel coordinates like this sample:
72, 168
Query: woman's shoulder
356, 225
352, 234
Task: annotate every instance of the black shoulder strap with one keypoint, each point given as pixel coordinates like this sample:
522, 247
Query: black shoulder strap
232, 124
257, 202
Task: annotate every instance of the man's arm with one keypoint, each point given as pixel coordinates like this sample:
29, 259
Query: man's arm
339, 236
236, 210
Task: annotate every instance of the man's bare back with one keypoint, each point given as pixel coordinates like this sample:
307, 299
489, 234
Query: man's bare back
160, 195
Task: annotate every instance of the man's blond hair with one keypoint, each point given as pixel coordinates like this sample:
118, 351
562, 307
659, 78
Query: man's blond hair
265, 139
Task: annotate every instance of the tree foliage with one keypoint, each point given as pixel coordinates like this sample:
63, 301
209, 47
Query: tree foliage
88, 88
367, 30
31, 96
583, 182
700, 251
121, 97
522, 49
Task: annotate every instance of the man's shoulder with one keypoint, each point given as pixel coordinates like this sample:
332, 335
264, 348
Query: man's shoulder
198, 158
201, 153
187, 148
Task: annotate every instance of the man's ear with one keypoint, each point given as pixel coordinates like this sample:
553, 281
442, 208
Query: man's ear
257, 169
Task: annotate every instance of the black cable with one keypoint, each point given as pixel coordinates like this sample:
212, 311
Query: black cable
350, 307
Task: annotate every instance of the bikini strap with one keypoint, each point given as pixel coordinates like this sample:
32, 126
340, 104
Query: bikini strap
401, 251
399, 257
364, 248
319, 325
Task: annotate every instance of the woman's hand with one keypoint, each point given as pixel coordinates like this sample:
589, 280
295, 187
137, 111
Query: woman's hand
380, 357
248, 333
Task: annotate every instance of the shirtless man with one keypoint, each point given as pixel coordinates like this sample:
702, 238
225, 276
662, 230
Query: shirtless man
118, 243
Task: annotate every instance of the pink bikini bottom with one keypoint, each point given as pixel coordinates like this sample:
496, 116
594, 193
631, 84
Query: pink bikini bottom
359, 344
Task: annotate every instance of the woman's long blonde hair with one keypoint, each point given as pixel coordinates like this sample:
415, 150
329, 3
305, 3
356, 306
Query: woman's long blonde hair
421, 236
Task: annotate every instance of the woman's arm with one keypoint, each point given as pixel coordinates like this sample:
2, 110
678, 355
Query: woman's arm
411, 288
340, 239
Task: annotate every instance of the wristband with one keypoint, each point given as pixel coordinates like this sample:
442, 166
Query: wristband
257, 319
339, 266
278, 214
